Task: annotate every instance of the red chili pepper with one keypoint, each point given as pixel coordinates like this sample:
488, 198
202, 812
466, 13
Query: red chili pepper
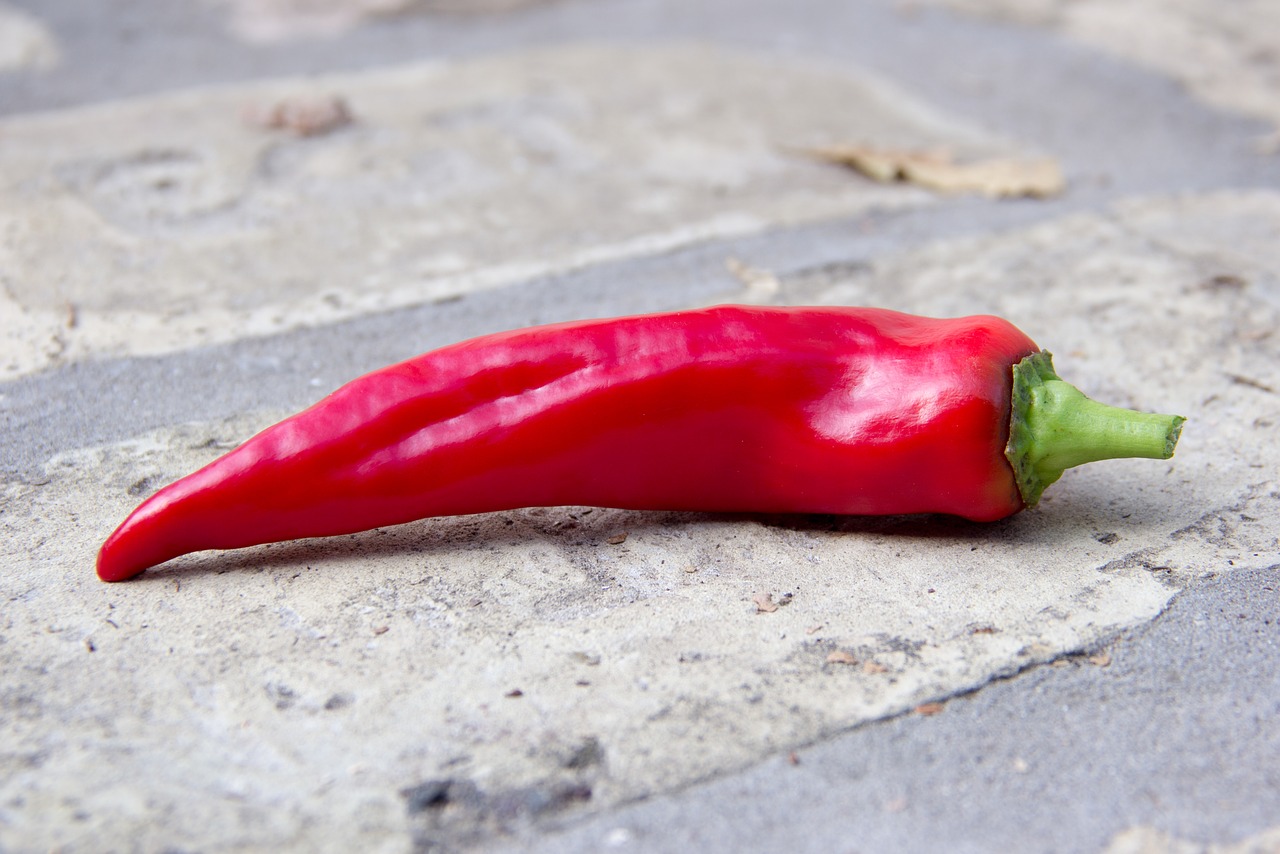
791, 410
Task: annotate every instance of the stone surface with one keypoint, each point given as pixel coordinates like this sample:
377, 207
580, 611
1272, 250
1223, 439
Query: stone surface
339, 668
1170, 725
191, 225
183, 268
1228, 54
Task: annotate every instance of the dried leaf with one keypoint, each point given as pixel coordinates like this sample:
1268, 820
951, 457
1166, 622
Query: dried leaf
928, 710
1002, 177
764, 603
840, 656
1005, 178
883, 164
617, 539
301, 115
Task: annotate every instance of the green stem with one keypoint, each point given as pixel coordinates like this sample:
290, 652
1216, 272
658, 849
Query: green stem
1053, 427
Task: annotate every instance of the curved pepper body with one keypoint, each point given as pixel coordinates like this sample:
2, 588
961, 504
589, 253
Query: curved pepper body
809, 410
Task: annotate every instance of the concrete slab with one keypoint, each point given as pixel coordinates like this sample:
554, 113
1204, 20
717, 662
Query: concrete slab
1162, 744
471, 683
192, 225
1227, 55
487, 652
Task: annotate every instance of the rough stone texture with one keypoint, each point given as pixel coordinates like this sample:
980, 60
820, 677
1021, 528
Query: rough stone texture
168, 222
1173, 721
1226, 53
339, 670
272, 699
481, 682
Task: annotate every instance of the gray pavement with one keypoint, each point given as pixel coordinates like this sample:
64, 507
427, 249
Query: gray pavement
1170, 727
1125, 698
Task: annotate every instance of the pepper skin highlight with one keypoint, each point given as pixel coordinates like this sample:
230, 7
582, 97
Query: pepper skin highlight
751, 409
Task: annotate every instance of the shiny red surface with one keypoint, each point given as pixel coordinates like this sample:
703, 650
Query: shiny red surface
795, 410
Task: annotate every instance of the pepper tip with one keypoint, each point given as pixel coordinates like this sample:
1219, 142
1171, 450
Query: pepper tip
115, 563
